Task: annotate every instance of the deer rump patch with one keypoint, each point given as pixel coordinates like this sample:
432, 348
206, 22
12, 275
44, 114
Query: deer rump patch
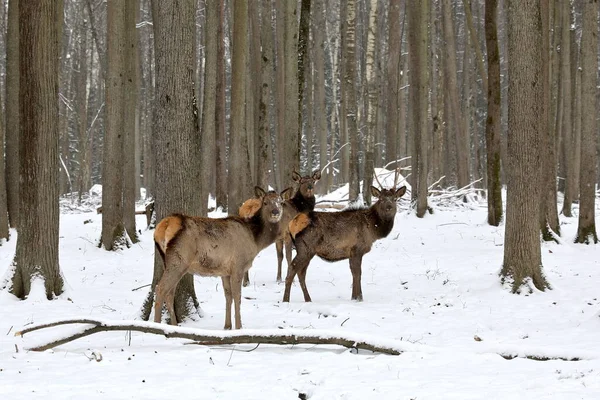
166, 230
298, 224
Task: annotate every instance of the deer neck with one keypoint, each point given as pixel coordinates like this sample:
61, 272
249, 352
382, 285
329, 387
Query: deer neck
264, 232
303, 204
381, 226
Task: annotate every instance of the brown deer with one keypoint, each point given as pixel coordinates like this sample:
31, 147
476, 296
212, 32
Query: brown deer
222, 247
335, 236
302, 202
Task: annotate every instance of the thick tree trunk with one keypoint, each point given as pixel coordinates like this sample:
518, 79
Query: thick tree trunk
176, 136
522, 252
12, 113
586, 230
37, 244
492, 124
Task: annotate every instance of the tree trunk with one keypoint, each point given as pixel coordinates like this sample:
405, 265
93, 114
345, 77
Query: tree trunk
209, 149
112, 165
320, 105
392, 78
176, 136
372, 103
4, 233
475, 43
522, 252
567, 128
12, 113
461, 149
586, 230
349, 96
238, 150
291, 159
549, 223
493, 130
220, 136
303, 70
130, 100
37, 244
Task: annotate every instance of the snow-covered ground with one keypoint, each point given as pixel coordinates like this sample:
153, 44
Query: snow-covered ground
432, 285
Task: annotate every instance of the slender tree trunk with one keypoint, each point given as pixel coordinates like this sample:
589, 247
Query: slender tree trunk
566, 128
220, 136
264, 133
12, 113
475, 43
291, 160
112, 166
303, 70
586, 230
37, 244
130, 100
392, 79
82, 110
320, 105
4, 233
493, 130
522, 252
372, 103
350, 96
209, 149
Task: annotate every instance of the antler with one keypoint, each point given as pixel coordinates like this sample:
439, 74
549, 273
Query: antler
377, 179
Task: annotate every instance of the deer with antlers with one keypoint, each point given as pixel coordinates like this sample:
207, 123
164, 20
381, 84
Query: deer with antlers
335, 236
303, 201
222, 247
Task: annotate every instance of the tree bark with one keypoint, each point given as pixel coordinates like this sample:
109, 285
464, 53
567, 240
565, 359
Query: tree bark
12, 113
567, 128
176, 136
522, 252
319, 27
349, 96
291, 159
238, 150
303, 70
392, 78
586, 230
220, 136
493, 130
37, 244
113, 230
372, 103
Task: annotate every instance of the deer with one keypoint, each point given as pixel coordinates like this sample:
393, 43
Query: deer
222, 247
347, 234
303, 201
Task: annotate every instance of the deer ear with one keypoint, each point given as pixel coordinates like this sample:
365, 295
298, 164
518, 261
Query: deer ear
296, 176
316, 175
375, 192
259, 192
400, 192
286, 194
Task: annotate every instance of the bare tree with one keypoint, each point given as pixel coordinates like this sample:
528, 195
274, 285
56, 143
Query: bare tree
586, 230
392, 78
220, 137
566, 130
319, 26
372, 102
522, 252
349, 95
37, 244
291, 148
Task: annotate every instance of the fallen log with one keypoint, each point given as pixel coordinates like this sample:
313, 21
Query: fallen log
208, 337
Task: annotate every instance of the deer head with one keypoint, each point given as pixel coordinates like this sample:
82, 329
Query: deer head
386, 198
307, 183
271, 201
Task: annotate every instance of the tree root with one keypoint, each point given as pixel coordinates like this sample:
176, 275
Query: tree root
204, 337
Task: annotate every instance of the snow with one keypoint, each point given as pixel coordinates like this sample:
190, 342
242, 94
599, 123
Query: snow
430, 288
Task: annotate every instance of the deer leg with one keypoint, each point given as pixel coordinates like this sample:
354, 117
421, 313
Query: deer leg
165, 289
302, 279
279, 248
355, 268
246, 281
228, 300
299, 264
288, 250
236, 291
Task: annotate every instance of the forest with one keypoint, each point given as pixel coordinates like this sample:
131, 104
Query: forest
167, 139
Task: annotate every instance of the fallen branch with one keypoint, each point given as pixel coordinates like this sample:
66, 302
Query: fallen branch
206, 337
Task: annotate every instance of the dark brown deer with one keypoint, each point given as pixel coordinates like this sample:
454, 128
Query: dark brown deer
302, 202
335, 236
222, 247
